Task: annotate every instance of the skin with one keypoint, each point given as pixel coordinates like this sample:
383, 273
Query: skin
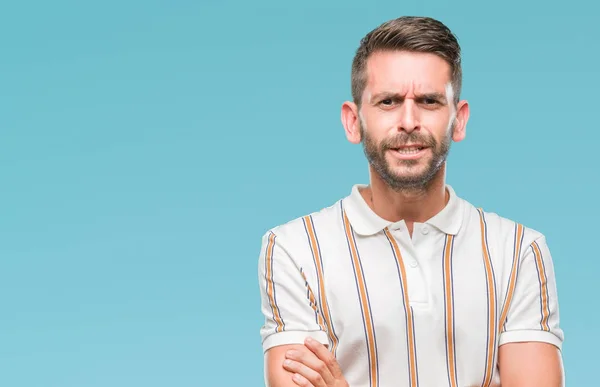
408, 99
530, 364
309, 365
276, 373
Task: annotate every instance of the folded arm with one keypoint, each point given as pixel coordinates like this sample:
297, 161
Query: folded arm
289, 308
530, 364
275, 374
531, 338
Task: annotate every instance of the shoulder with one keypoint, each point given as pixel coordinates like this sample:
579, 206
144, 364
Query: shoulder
292, 243
505, 230
299, 228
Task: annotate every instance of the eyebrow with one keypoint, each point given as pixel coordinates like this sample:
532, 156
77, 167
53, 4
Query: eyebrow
441, 97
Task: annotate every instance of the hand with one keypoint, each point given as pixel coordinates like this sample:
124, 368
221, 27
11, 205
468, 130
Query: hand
314, 368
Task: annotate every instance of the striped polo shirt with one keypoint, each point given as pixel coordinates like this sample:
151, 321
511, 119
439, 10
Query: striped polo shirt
430, 310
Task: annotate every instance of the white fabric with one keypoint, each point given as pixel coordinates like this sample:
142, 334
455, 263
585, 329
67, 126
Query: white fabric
400, 311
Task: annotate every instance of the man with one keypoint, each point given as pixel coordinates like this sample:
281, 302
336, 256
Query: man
402, 282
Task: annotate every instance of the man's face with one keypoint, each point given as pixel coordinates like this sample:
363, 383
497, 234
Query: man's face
407, 116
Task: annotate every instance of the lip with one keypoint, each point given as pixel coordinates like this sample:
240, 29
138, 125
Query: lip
409, 156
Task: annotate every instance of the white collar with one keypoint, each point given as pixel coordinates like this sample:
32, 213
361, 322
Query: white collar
366, 222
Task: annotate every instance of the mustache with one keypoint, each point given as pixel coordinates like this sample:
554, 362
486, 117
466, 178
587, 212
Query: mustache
402, 139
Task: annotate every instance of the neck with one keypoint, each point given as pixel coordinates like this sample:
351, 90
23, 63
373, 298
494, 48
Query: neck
416, 205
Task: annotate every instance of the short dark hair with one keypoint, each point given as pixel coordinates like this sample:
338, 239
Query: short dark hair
413, 34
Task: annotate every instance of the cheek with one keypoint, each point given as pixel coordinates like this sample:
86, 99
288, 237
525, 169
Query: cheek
389, 120
381, 123
437, 123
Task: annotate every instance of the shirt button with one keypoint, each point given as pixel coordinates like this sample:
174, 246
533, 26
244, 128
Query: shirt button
413, 263
425, 230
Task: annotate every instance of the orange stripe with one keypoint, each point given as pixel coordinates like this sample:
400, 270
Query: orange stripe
513, 274
366, 311
321, 284
313, 303
543, 286
491, 286
271, 285
409, 327
449, 302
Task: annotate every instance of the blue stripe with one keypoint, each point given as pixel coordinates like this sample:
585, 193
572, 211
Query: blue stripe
415, 345
547, 285
487, 245
273, 282
311, 303
453, 311
396, 259
484, 231
541, 285
488, 299
498, 310
547, 292
312, 251
445, 309
511, 271
515, 268
323, 279
307, 290
368, 302
269, 279
359, 298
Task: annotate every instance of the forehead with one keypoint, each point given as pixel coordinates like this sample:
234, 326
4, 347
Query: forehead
403, 72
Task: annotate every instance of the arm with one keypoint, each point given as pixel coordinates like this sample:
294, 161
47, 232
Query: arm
531, 339
290, 316
530, 364
311, 365
275, 374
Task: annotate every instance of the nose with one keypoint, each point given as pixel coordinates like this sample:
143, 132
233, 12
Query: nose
408, 116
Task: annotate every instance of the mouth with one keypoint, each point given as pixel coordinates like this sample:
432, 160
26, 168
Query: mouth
409, 151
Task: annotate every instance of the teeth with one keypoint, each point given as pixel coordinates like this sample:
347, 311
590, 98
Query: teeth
409, 150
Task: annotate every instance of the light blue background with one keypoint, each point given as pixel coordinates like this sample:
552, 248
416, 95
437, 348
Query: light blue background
147, 145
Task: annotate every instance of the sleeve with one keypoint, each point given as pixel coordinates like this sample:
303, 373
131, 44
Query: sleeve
289, 315
533, 313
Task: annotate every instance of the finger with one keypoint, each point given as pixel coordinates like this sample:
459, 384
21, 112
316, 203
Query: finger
325, 356
304, 374
310, 360
302, 381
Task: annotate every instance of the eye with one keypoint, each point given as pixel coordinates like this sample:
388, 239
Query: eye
429, 101
388, 103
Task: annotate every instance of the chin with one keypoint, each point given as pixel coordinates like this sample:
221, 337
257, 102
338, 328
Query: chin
408, 171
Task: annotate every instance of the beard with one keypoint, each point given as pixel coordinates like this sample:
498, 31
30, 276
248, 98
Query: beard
415, 178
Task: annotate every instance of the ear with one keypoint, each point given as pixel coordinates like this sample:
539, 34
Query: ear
350, 121
462, 116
